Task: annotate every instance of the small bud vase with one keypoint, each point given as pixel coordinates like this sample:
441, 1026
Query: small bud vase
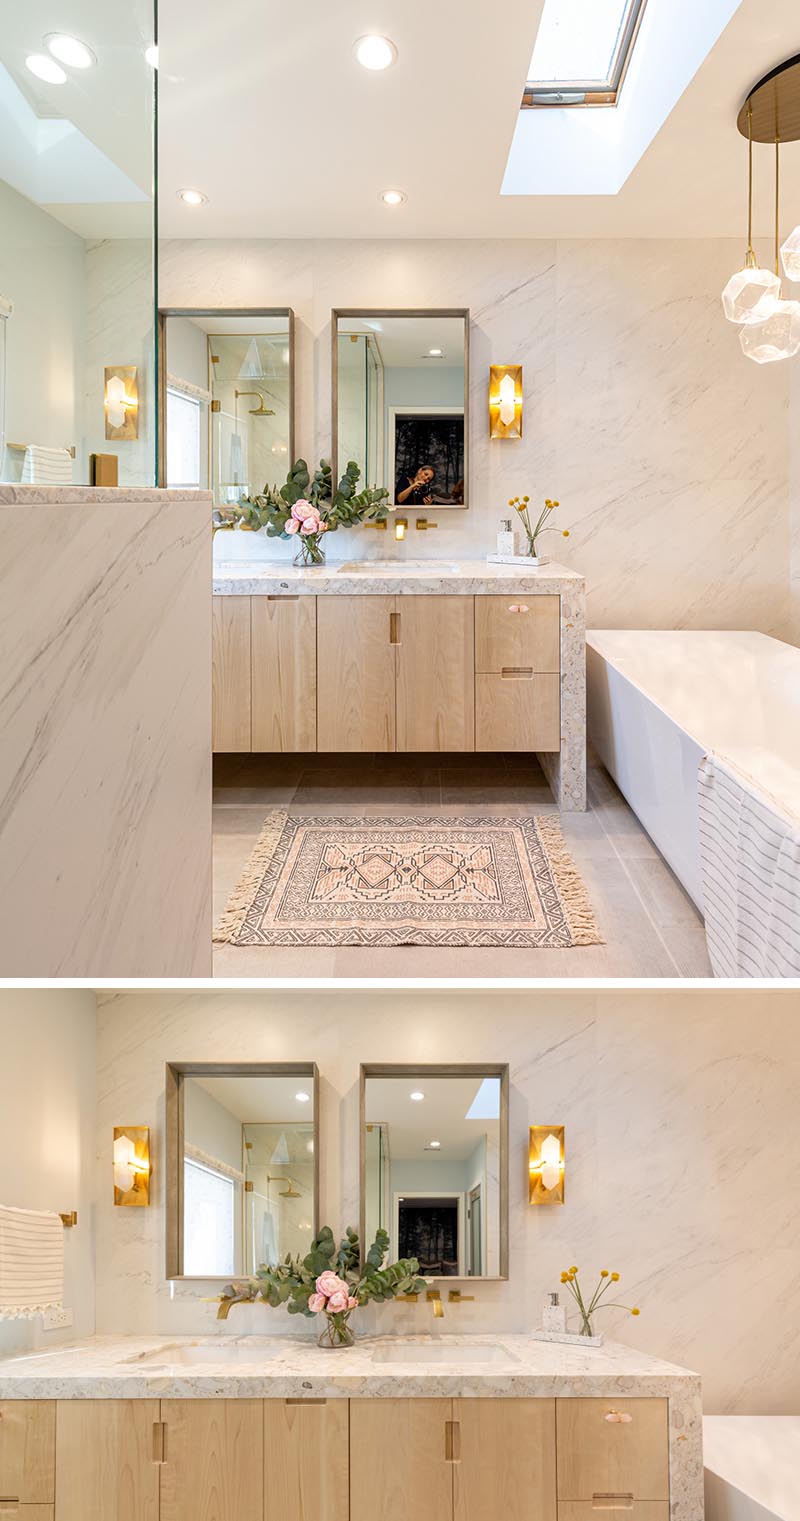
336, 1332
309, 550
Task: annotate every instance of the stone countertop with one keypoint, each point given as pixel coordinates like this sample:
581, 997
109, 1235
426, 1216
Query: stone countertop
247, 578
293, 1367
77, 496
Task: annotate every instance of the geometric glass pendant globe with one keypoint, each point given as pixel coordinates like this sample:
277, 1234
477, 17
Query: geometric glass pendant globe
790, 255
749, 294
777, 336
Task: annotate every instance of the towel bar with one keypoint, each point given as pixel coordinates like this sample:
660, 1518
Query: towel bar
70, 1219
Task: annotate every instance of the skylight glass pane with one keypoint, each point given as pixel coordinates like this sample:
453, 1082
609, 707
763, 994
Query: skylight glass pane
577, 41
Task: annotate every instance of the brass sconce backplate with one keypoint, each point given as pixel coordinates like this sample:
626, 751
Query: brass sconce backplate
137, 1164
121, 396
546, 1164
505, 401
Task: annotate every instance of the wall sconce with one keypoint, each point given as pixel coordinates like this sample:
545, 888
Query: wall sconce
122, 401
131, 1164
546, 1164
400, 526
505, 401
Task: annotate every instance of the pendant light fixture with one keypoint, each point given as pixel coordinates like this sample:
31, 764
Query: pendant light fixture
748, 292
774, 332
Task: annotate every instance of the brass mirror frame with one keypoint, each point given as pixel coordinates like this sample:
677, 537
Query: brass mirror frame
173, 1193
438, 1069
164, 313
388, 311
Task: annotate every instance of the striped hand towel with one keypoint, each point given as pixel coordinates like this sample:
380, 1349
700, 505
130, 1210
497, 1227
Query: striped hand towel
750, 852
31, 1262
46, 467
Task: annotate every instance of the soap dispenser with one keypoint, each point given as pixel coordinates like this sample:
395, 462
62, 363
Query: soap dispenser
505, 538
554, 1315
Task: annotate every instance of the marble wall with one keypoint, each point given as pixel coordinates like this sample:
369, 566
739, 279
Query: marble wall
683, 1170
105, 733
667, 449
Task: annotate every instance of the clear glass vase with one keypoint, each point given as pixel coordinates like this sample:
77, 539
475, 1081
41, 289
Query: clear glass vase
309, 550
336, 1332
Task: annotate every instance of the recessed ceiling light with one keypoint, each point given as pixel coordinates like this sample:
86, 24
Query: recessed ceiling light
435, 353
68, 50
45, 68
192, 197
435, 1145
151, 55
375, 52
393, 197
416, 1095
302, 1098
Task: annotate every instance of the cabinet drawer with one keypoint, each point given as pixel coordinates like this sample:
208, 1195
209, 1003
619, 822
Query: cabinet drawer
10, 1511
518, 710
27, 1452
613, 1506
612, 1448
517, 631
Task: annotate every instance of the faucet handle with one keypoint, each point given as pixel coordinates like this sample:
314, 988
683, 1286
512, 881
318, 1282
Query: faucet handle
423, 523
455, 1296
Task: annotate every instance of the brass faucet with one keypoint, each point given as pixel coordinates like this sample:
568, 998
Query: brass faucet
434, 1297
455, 1296
224, 1308
423, 523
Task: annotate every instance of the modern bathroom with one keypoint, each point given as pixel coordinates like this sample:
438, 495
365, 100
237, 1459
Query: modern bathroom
400, 580
530, 1252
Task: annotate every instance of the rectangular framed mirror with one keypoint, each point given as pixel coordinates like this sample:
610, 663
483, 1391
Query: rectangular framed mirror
400, 402
434, 1166
226, 400
242, 1165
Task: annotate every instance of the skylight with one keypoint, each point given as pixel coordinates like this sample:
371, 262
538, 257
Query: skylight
581, 52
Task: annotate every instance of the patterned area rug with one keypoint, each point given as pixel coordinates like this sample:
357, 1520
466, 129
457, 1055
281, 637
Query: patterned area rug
394, 880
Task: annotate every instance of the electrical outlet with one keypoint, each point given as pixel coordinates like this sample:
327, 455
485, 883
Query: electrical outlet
56, 1320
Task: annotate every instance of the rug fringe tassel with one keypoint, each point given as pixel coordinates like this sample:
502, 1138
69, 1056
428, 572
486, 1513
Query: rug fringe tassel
241, 899
571, 887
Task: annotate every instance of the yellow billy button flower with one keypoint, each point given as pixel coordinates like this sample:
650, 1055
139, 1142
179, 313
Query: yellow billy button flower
615, 1277
526, 499
636, 1312
604, 1273
565, 533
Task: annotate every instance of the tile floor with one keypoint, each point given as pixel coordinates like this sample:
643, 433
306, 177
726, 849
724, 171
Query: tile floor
651, 927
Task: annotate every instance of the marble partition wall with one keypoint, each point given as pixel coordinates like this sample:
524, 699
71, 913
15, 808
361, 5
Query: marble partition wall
682, 1165
105, 733
668, 450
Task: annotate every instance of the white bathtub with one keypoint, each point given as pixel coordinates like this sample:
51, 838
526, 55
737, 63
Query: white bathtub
658, 701
752, 1467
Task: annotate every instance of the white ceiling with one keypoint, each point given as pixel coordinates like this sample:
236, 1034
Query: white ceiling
265, 109
440, 1116
262, 1099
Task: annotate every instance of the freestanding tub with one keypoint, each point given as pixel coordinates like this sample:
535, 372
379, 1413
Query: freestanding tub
752, 1467
658, 701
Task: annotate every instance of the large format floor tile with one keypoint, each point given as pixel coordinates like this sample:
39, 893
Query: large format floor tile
650, 926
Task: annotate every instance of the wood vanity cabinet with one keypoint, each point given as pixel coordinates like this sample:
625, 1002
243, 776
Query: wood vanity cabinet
399, 1464
27, 1459
230, 673
435, 673
283, 674
212, 1466
356, 673
612, 1454
106, 1460
306, 1460
517, 673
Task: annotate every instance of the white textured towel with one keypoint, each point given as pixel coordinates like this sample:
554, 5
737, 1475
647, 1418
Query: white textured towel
46, 467
31, 1262
750, 852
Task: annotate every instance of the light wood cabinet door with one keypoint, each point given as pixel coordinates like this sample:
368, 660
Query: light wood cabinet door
10, 1511
213, 1468
435, 673
283, 667
401, 1459
506, 1459
609, 1509
27, 1451
612, 1449
517, 631
306, 1468
230, 673
106, 1452
356, 658
517, 710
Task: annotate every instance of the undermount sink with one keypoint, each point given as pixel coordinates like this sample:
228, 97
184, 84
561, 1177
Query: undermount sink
384, 567
486, 1354
201, 1353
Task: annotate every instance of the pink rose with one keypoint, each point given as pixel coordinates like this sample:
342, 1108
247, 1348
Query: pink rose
316, 1303
352, 1304
291, 526
338, 1301
309, 526
302, 509
330, 1283
323, 526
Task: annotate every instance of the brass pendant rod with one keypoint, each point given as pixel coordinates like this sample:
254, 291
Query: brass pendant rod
750, 250
777, 201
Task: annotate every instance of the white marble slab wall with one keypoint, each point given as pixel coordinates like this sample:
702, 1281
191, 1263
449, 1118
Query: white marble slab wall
105, 724
667, 449
683, 1171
